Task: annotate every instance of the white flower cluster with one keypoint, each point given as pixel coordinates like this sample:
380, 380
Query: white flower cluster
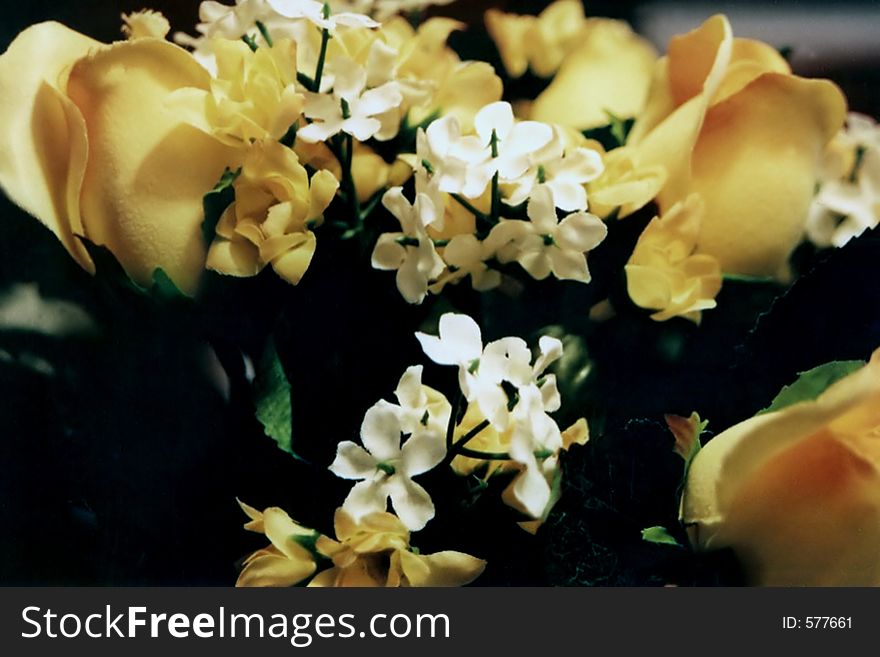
517, 162
403, 440
848, 199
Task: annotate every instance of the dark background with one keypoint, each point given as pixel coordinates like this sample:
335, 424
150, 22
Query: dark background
123, 467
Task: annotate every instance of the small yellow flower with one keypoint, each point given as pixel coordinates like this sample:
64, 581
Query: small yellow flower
625, 185
537, 42
145, 23
253, 95
271, 219
376, 552
286, 562
664, 274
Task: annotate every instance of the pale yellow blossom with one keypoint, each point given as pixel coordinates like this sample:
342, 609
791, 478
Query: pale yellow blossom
665, 275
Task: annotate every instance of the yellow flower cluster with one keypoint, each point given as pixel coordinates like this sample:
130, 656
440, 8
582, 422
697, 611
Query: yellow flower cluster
373, 552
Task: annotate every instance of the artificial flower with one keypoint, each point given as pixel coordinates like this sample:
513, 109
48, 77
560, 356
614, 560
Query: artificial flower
465, 255
375, 551
663, 273
625, 185
608, 72
727, 119
386, 468
420, 407
411, 252
286, 562
564, 173
544, 244
482, 371
91, 147
796, 493
253, 95
352, 108
313, 11
270, 222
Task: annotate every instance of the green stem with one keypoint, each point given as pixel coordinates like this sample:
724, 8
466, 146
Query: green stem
496, 195
325, 38
463, 202
459, 447
453, 417
265, 32
485, 456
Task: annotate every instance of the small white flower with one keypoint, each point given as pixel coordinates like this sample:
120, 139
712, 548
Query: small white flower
545, 245
515, 141
351, 108
535, 445
420, 407
466, 256
456, 162
386, 469
482, 372
314, 12
564, 174
411, 252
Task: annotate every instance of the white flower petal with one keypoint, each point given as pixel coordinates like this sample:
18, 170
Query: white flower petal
542, 210
353, 462
378, 100
319, 131
581, 232
411, 283
411, 502
567, 195
422, 452
380, 432
409, 389
496, 116
569, 265
366, 497
360, 128
388, 254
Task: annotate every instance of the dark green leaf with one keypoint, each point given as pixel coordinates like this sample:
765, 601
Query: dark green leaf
216, 201
272, 399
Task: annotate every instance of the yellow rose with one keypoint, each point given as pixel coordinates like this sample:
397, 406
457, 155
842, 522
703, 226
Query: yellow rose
796, 493
726, 118
90, 147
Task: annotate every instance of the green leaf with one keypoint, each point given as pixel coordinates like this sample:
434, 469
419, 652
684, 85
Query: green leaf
658, 535
216, 201
613, 134
812, 383
164, 288
272, 400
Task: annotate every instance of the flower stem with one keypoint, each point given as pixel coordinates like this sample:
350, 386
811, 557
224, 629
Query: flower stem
325, 38
467, 205
496, 195
453, 418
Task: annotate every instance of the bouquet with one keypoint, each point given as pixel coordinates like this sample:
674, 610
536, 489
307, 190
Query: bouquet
425, 305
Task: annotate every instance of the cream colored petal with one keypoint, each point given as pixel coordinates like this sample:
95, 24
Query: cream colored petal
292, 264
610, 71
234, 258
43, 150
147, 170
269, 569
756, 166
447, 568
